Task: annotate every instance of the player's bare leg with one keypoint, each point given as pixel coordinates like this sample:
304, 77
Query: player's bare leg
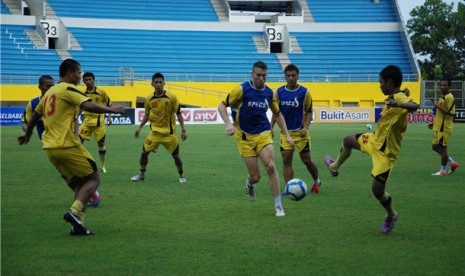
178, 163
75, 216
102, 151
312, 169
349, 143
143, 161
379, 191
288, 172
267, 157
254, 176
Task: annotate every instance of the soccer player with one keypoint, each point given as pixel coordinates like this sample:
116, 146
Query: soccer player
45, 82
296, 106
161, 109
249, 103
59, 108
384, 144
95, 122
442, 128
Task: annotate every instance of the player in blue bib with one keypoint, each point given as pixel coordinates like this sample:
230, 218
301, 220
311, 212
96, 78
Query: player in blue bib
45, 82
295, 103
249, 103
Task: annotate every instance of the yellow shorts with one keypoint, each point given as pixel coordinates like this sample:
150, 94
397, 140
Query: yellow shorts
86, 131
72, 162
381, 161
250, 145
300, 142
441, 138
154, 139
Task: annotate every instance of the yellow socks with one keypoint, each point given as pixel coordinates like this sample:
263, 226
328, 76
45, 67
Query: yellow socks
77, 207
344, 153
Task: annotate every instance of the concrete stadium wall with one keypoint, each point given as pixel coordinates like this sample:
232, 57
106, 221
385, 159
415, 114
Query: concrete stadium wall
209, 94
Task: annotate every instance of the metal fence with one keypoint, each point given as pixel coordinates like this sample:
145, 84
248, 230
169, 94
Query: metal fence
127, 75
431, 92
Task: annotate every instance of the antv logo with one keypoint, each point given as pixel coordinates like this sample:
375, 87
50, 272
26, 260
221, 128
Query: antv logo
205, 115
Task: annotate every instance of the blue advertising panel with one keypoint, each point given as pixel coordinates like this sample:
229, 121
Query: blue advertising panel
11, 115
118, 119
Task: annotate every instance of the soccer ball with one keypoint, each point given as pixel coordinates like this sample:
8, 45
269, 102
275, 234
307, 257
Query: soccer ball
94, 199
369, 127
295, 189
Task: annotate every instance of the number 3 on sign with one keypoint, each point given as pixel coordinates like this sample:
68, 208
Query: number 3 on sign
50, 27
274, 34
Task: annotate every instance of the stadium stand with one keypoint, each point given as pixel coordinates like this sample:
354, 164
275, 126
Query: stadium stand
124, 44
199, 53
352, 11
179, 10
20, 58
350, 53
4, 9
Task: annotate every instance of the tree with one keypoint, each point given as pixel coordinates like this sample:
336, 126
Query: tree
459, 23
437, 34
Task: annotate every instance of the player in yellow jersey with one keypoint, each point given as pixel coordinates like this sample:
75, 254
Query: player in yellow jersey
442, 128
59, 108
94, 123
161, 109
384, 144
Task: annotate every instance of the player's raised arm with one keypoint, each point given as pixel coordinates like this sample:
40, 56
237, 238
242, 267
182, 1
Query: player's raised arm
97, 108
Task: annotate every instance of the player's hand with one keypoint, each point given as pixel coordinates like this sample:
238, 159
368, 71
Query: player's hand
23, 139
110, 121
136, 134
230, 130
303, 132
407, 92
119, 109
392, 103
183, 135
290, 141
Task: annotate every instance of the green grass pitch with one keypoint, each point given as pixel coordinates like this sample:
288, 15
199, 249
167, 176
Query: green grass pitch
208, 227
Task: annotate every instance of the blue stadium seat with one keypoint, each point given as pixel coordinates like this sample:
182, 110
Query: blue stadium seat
209, 55
4, 10
350, 53
19, 56
179, 52
352, 11
165, 10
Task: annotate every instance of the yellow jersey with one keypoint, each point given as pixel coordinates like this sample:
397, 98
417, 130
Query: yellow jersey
161, 111
59, 108
391, 126
98, 96
443, 122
